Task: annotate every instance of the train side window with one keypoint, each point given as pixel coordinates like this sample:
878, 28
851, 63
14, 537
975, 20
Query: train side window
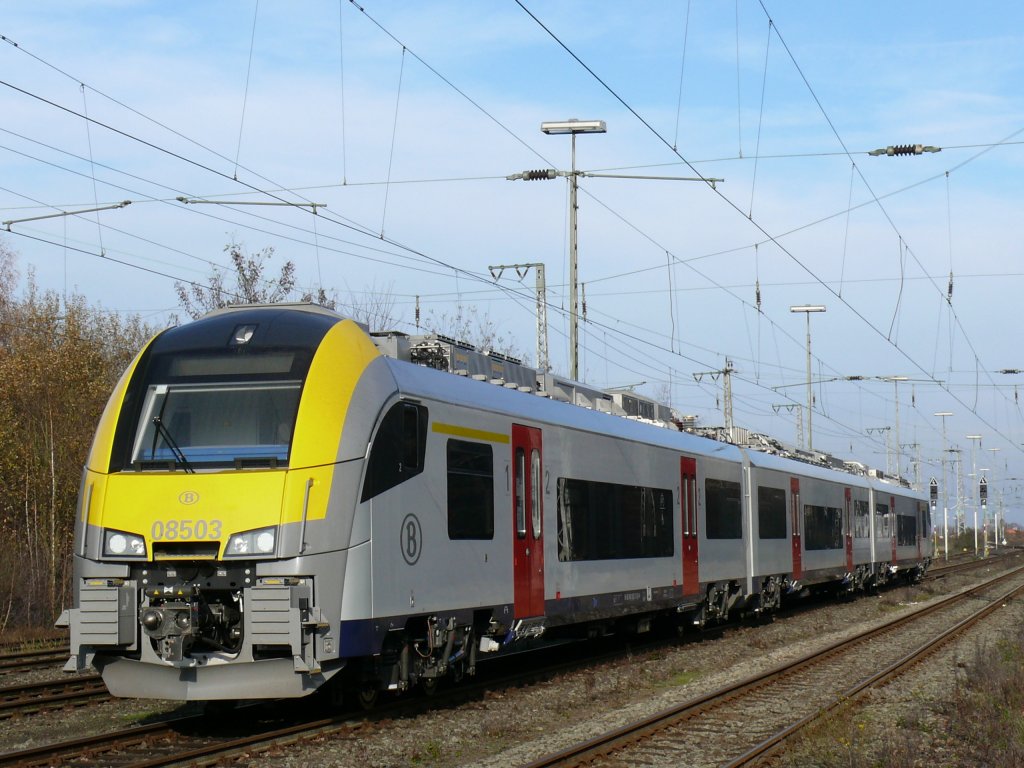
823, 527
926, 528
861, 519
771, 513
906, 530
608, 521
883, 523
723, 514
470, 490
398, 450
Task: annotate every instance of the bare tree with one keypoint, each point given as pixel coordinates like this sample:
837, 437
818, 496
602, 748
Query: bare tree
375, 308
251, 286
469, 325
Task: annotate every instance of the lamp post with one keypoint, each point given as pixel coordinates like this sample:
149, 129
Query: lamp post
945, 488
807, 309
975, 440
572, 127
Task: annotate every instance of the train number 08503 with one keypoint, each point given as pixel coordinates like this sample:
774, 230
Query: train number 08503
185, 530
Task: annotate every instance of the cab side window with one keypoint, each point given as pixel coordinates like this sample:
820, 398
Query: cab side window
398, 449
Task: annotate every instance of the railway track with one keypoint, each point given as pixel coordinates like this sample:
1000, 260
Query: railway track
29, 698
940, 569
193, 741
20, 661
744, 721
206, 739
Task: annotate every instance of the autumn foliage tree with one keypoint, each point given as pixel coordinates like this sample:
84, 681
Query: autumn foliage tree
59, 360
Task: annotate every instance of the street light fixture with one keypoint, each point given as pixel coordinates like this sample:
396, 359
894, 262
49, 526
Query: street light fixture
807, 309
572, 127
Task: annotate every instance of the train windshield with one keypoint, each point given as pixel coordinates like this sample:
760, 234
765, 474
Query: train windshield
209, 408
240, 424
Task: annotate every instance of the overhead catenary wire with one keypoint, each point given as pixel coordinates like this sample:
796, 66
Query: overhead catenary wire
770, 237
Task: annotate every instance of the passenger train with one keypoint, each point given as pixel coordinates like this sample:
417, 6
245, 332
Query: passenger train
276, 500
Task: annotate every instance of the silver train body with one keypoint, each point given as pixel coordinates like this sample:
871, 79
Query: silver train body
274, 501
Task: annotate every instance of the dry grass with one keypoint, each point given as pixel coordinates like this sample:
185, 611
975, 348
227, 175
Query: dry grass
987, 711
979, 723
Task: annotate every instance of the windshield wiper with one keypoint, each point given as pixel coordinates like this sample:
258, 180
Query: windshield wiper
179, 456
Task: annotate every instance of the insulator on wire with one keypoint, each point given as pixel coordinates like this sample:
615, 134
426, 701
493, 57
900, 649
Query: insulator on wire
544, 173
904, 149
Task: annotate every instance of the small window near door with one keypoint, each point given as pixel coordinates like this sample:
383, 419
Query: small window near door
535, 492
470, 490
520, 493
771, 513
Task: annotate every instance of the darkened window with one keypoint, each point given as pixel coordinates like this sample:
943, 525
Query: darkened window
470, 490
771, 513
723, 515
605, 521
906, 530
399, 448
861, 519
926, 521
883, 522
823, 527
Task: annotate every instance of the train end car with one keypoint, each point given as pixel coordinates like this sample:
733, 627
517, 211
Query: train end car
215, 525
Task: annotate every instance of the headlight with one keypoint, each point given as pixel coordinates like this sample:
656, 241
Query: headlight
121, 544
258, 542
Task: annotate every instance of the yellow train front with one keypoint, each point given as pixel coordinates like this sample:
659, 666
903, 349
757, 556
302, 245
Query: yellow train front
203, 521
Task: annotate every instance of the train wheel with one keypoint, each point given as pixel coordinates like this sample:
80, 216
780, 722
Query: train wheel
368, 695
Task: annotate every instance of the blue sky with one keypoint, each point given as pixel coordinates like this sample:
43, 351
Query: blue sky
404, 119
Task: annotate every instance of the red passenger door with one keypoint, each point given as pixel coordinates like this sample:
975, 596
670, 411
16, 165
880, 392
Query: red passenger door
794, 506
527, 522
848, 524
688, 505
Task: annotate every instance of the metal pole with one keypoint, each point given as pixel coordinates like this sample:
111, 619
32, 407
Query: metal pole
975, 440
807, 309
810, 391
896, 391
543, 364
945, 488
542, 320
727, 397
573, 304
